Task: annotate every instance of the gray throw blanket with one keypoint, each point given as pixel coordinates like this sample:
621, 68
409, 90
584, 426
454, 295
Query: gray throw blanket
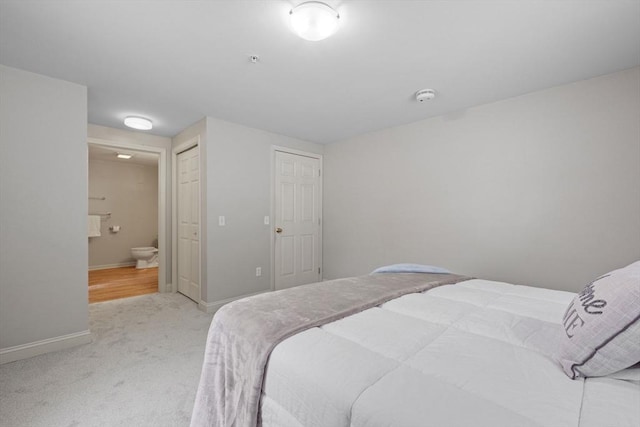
244, 332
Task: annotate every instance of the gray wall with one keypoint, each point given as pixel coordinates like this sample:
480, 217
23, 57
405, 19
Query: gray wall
43, 214
239, 188
131, 192
542, 189
236, 185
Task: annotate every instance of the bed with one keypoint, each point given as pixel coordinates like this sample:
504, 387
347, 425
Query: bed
420, 349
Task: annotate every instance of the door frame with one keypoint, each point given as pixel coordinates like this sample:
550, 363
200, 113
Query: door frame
272, 213
187, 145
163, 285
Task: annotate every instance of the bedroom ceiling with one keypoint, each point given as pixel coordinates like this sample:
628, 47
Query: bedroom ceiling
177, 61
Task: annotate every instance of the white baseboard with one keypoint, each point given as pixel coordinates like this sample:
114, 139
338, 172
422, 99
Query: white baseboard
24, 351
118, 265
212, 307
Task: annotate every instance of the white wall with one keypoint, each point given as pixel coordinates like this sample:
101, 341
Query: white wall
127, 136
236, 184
131, 195
542, 189
43, 212
239, 188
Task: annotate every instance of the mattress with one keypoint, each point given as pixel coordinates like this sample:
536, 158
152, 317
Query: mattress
244, 332
477, 353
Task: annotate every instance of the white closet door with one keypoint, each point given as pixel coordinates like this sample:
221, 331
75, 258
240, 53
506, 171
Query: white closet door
188, 211
297, 220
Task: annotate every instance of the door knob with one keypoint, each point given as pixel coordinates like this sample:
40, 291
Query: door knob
278, 230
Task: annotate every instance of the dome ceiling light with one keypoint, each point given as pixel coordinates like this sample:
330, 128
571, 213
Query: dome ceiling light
139, 123
314, 20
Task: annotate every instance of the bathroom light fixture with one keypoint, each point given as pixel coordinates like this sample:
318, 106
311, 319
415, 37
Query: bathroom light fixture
139, 123
314, 20
124, 156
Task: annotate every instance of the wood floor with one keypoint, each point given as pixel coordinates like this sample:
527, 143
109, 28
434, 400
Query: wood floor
123, 282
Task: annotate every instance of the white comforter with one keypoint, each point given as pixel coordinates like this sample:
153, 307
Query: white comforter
478, 353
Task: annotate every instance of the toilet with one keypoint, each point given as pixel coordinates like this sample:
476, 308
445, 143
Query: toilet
145, 257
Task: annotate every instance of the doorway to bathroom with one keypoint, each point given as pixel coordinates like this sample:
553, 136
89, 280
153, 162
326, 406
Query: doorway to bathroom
125, 207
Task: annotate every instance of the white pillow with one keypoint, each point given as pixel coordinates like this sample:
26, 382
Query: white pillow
410, 268
602, 326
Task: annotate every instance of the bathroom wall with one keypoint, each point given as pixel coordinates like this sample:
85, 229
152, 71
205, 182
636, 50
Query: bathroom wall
131, 192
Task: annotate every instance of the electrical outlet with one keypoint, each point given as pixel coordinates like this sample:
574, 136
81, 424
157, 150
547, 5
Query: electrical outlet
258, 271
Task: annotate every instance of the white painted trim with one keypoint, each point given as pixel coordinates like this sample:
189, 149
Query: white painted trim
24, 351
212, 307
275, 148
162, 199
272, 208
107, 266
190, 143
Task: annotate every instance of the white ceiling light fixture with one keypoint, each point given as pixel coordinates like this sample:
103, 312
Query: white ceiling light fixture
314, 20
124, 156
139, 123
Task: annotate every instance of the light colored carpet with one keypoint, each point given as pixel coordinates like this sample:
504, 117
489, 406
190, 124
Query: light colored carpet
142, 369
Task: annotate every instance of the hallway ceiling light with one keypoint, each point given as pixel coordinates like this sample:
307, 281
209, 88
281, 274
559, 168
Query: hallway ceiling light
124, 156
314, 20
139, 123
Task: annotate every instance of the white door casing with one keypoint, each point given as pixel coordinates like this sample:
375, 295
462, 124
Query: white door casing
297, 209
188, 222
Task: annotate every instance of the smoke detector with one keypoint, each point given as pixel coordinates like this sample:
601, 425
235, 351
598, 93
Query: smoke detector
425, 95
